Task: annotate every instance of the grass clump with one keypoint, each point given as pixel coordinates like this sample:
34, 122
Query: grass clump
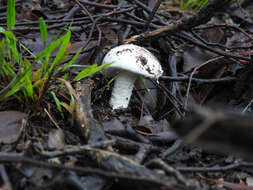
20, 76
30, 81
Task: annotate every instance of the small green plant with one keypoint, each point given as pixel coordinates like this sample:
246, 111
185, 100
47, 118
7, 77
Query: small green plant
195, 4
28, 81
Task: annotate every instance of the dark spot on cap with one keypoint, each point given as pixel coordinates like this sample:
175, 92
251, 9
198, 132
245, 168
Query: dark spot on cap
149, 71
124, 50
142, 60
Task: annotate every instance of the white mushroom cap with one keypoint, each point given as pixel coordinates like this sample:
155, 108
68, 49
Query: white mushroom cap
134, 59
130, 61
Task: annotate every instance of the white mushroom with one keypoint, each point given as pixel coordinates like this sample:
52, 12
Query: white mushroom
129, 61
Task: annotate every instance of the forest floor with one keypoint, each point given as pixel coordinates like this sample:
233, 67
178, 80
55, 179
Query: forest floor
190, 129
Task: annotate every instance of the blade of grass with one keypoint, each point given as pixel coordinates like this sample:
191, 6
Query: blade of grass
28, 87
12, 46
15, 88
61, 52
48, 50
146, 89
11, 14
45, 65
43, 30
71, 61
6, 70
58, 104
90, 70
27, 50
181, 4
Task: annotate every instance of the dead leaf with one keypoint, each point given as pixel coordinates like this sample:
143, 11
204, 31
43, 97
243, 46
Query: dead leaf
11, 123
56, 139
146, 126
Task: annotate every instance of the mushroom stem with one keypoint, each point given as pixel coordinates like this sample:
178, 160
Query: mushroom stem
122, 90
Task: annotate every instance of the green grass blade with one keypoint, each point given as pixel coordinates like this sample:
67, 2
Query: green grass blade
28, 87
71, 61
27, 50
5, 68
111, 80
37, 74
48, 50
15, 88
43, 29
17, 85
58, 103
12, 45
189, 3
10, 14
60, 55
45, 65
90, 71
39, 83
181, 4
146, 89
62, 84
2, 58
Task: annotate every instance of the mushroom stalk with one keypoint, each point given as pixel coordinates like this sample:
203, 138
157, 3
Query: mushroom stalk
122, 91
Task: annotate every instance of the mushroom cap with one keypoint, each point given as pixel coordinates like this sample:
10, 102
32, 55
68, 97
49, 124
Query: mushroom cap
132, 58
